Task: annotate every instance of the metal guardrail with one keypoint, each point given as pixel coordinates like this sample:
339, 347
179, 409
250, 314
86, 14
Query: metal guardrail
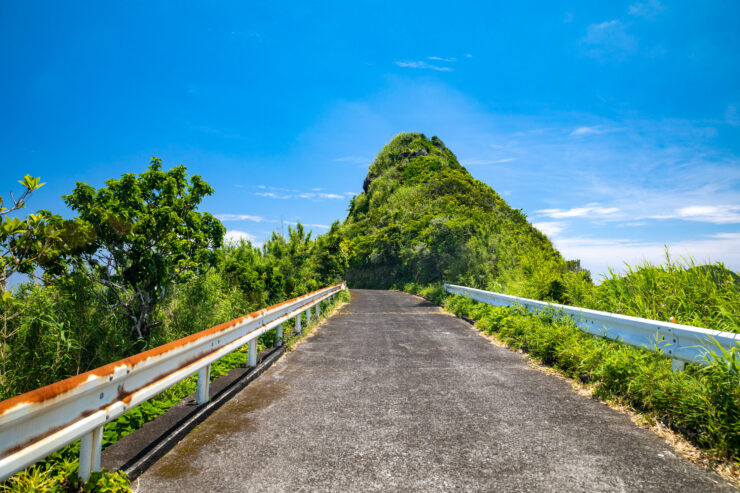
38, 423
682, 343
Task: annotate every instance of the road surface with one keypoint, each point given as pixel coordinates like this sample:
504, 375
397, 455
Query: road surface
393, 394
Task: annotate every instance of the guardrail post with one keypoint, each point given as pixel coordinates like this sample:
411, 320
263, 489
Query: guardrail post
279, 335
318, 310
298, 329
308, 316
204, 385
91, 446
678, 365
252, 353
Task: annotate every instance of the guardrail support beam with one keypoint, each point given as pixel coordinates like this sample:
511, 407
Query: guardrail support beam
252, 353
91, 446
279, 335
204, 385
678, 365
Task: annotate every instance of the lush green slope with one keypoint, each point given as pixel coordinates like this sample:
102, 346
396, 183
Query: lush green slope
423, 218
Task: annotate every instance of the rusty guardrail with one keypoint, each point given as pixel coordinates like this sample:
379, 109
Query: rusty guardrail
38, 423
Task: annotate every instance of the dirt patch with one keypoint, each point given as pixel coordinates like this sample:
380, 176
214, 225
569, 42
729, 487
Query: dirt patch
236, 416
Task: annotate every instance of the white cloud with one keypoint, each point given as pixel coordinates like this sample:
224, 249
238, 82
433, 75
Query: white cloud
586, 131
717, 214
301, 195
441, 59
239, 217
599, 254
423, 65
468, 56
272, 195
475, 162
648, 9
726, 236
609, 39
308, 225
590, 211
550, 228
234, 237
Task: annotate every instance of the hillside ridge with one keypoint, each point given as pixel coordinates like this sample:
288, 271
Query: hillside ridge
423, 218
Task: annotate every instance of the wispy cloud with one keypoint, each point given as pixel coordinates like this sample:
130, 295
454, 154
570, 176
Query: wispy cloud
475, 162
716, 214
441, 59
648, 9
586, 131
590, 211
550, 228
273, 195
609, 40
239, 217
308, 225
301, 195
423, 65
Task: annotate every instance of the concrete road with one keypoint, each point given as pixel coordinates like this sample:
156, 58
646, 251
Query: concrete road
392, 394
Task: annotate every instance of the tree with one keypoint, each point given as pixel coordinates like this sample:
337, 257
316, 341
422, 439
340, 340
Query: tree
139, 235
24, 242
331, 252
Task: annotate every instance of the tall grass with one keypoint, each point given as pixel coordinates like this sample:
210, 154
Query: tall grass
704, 296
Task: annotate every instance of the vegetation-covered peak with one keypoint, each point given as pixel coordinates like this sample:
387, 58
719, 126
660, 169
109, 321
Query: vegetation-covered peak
423, 218
411, 152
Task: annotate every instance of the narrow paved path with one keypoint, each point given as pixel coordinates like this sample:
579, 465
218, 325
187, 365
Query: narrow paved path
392, 394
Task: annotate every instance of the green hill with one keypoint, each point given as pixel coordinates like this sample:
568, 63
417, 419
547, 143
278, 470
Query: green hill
423, 218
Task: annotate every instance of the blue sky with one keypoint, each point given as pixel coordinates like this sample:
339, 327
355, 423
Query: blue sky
615, 126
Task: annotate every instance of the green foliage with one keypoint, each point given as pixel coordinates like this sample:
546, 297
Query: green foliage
423, 219
24, 243
139, 235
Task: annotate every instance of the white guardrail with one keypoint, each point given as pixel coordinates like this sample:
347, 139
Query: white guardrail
682, 343
38, 423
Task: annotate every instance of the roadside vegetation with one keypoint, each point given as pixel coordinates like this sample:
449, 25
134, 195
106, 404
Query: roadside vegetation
141, 266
